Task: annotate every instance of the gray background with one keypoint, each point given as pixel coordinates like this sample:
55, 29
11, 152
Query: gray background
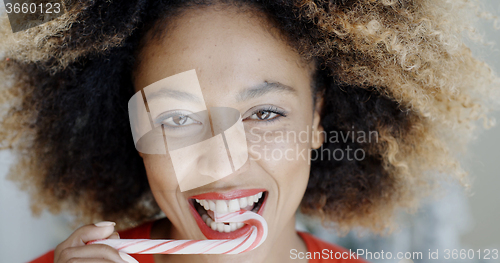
484, 160
456, 220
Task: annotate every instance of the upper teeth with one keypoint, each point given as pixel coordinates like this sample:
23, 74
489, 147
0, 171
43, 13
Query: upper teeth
233, 205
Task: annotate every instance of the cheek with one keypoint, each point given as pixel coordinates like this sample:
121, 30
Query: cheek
160, 174
283, 148
287, 161
284, 154
164, 186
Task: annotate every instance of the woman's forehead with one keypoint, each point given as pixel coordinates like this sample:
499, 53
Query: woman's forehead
223, 46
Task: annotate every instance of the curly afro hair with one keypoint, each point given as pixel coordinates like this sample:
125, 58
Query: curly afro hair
399, 68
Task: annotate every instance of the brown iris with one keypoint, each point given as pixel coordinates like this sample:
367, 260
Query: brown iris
263, 115
180, 120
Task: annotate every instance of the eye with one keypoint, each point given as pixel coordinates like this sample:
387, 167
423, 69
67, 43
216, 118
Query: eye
269, 113
176, 119
180, 120
263, 115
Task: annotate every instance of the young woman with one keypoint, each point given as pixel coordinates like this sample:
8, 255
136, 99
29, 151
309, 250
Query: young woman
375, 85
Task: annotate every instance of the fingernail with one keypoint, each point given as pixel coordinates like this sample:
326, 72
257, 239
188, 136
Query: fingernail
105, 223
127, 258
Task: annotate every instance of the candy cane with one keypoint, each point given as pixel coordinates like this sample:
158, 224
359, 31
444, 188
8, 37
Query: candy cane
245, 243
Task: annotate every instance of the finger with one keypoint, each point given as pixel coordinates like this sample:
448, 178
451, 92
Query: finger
115, 235
84, 234
87, 233
128, 258
96, 251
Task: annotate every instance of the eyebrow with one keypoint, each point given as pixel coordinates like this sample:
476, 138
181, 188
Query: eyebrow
264, 88
176, 94
246, 94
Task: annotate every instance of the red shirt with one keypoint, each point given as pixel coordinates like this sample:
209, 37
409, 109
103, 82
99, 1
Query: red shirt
319, 251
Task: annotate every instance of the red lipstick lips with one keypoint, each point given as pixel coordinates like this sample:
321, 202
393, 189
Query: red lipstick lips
212, 234
229, 195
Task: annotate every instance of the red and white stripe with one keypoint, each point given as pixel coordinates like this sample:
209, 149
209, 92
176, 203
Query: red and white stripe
245, 243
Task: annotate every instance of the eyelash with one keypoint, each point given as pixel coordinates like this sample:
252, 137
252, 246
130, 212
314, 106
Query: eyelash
160, 119
272, 109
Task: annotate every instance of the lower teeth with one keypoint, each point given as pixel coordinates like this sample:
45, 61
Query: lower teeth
220, 226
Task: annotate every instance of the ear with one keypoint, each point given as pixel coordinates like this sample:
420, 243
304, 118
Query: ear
318, 132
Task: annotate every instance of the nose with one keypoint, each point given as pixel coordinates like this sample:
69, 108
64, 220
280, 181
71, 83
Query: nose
212, 159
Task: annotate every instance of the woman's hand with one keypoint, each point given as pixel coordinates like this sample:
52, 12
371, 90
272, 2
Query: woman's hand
74, 250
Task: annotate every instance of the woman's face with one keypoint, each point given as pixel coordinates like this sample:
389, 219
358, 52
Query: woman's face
240, 63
